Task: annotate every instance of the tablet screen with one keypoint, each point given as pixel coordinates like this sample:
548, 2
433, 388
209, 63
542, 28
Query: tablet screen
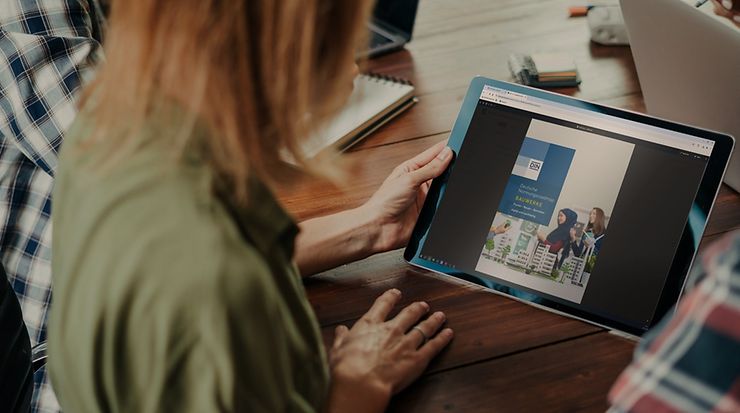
562, 205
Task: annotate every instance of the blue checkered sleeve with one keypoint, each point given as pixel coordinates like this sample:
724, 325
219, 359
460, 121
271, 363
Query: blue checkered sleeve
47, 51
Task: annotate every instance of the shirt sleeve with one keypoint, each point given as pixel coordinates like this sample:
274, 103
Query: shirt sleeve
48, 50
689, 362
577, 246
242, 360
555, 247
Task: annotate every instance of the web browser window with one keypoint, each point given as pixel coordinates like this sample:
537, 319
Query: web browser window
579, 206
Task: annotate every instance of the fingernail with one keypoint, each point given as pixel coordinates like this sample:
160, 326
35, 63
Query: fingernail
425, 305
727, 4
446, 152
395, 291
440, 315
447, 332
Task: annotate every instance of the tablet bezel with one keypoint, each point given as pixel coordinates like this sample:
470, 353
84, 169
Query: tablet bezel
688, 245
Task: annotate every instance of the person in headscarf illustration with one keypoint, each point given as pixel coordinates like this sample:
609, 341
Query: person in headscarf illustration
560, 236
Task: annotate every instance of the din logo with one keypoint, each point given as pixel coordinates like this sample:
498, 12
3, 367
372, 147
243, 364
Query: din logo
535, 165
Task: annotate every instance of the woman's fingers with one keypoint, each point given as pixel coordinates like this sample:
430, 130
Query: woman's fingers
425, 187
433, 168
410, 316
339, 334
425, 330
393, 352
382, 306
436, 344
419, 160
425, 157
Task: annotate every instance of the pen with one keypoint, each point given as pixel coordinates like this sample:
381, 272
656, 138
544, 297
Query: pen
700, 3
578, 11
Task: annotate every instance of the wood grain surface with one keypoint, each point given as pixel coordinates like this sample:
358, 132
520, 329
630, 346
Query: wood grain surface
506, 356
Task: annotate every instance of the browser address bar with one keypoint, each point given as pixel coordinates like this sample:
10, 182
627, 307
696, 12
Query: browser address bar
520, 101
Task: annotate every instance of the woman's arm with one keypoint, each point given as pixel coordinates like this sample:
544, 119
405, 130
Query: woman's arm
576, 244
541, 238
555, 247
383, 223
577, 247
337, 239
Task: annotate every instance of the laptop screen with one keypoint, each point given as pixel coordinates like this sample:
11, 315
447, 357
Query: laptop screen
578, 207
397, 14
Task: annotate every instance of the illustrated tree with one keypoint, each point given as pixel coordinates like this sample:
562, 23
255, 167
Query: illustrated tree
506, 251
589, 267
565, 268
490, 245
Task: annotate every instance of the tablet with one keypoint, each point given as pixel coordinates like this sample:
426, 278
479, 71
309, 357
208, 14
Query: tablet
579, 208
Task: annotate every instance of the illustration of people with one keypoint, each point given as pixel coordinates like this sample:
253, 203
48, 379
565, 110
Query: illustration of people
560, 236
593, 234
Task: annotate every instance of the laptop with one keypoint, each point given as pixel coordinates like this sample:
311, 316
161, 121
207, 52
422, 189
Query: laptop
688, 64
574, 207
391, 25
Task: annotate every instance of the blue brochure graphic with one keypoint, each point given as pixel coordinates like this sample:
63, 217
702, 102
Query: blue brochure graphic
536, 181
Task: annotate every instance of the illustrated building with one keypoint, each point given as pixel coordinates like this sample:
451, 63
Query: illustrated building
523, 243
543, 260
575, 270
520, 259
501, 242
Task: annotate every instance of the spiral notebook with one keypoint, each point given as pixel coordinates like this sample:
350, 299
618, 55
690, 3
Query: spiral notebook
375, 100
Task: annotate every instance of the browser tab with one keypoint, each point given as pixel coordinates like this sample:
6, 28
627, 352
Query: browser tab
589, 119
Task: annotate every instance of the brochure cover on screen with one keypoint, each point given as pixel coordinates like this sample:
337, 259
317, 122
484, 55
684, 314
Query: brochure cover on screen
554, 214
536, 181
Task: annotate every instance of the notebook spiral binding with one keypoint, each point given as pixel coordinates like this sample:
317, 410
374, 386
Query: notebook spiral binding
381, 78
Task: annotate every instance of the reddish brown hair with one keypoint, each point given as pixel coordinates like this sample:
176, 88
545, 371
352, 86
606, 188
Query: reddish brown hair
258, 75
598, 227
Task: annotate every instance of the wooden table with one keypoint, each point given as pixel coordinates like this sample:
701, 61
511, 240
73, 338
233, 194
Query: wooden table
506, 356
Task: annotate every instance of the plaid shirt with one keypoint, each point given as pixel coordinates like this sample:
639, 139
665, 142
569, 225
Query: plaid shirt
47, 51
691, 361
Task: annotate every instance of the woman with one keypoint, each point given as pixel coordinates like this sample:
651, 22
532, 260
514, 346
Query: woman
175, 288
594, 234
560, 236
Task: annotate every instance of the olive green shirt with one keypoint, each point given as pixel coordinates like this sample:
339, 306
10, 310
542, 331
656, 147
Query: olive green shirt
167, 297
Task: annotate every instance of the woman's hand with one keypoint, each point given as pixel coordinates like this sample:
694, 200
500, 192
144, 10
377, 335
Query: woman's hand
500, 229
395, 206
383, 223
376, 359
572, 234
541, 238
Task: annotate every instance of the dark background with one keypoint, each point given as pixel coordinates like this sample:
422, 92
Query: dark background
643, 231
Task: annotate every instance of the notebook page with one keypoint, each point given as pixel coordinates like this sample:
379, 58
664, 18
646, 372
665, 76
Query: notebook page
370, 98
